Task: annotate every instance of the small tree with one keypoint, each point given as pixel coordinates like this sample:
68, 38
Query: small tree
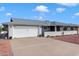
1, 28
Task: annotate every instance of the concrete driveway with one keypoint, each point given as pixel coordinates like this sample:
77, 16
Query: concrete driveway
39, 46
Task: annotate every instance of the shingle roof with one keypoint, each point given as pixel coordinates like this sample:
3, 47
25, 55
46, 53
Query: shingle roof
18, 21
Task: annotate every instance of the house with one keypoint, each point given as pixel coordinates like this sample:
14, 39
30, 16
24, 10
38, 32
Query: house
18, 28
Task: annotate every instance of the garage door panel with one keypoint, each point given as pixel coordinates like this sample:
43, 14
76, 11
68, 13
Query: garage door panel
25, 31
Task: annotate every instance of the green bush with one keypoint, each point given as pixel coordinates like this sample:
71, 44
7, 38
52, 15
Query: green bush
1, 28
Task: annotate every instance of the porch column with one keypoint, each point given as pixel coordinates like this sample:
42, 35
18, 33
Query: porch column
68, 28
61, 28
78, 31
55, 28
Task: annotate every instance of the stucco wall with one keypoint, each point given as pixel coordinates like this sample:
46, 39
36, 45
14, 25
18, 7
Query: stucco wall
10, 31
58, 33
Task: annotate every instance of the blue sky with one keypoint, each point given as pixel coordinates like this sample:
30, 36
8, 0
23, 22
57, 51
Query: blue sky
61, 12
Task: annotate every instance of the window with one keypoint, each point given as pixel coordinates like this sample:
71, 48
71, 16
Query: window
52, 28
65, 28
58, 28
72, 28
47, 28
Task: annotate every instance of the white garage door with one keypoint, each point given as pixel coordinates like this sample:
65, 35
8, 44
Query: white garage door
25, 31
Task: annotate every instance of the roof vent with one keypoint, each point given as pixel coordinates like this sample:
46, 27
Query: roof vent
11, 20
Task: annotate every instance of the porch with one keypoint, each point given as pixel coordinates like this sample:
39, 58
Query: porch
60, 30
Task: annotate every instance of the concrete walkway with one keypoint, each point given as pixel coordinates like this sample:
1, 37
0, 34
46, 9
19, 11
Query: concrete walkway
43, 47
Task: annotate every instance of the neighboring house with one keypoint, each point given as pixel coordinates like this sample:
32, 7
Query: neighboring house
18, 28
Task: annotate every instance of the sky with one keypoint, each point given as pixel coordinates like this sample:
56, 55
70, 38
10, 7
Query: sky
60, 12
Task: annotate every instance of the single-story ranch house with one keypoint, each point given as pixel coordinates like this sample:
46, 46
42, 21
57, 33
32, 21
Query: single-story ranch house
18, 28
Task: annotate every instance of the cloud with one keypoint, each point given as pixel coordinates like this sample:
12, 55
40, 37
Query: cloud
39, 17
8, 14
60, 10
41, 8
76, 14
2, 8
69, 4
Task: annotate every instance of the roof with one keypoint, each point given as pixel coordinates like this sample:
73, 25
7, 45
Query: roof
18, 21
